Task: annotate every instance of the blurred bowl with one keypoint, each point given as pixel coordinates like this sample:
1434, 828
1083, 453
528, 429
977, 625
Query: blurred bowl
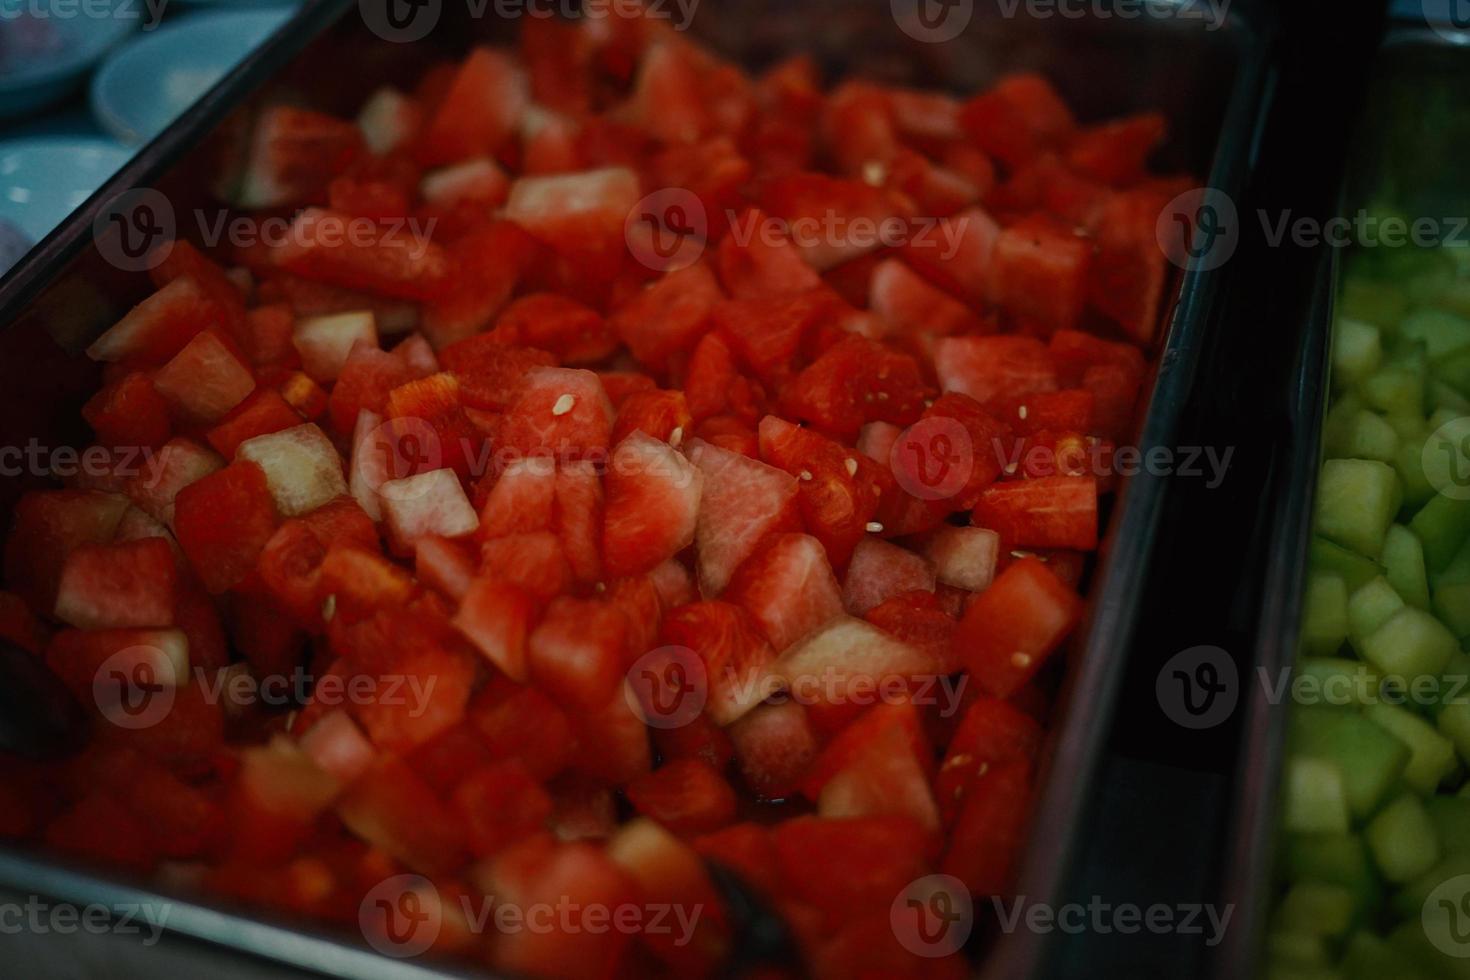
44, 180
47, 46
149, 82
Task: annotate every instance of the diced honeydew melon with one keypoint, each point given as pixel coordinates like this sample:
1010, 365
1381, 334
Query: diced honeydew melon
1324, 616
1355, 569
1410, 898
1396, 390
1295, 951
1403, 562
1451, 604
1415, 953
1445, 398
1442, 333
1316, 800
1357, 351
1375, 301
1451, 818
1367, 957
1360, 434
1316, 908
1335, 859
1411, 643
301, 466
1453, 722
1454, 684
1408, 463
1432, 756
325, 341
1356, 503
1369, 608
1453, 369
1336, 681
1442, 525
1402, 839
1369, 759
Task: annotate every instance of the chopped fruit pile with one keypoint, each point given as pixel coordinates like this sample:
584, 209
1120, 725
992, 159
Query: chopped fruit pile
1375, 865
498, 548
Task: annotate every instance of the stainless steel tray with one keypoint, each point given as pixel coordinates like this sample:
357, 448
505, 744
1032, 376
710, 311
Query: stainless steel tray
1402, 138
1210, 83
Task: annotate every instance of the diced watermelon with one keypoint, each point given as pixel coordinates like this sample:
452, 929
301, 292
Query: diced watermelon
361, 580
613, 741
487, 262
579, 518
204, 380
908, 304
1016, 118
560, 411
767, 333
117, 585
301, 467
575, 333
497, 617
757, 261
326, 342
1130, 270
653, 503
523, 499
444, 565
1039, 269
664, 415
880, 570
923, 621
579, 214
432, 503
538, 873
94, 664
478, 181
990, 829
396, 261
850, 864
391, 807
223, 522
848, 661
47, 526
1116, 152
735, 654
158, 328
688, 796
535, 561
788, 588
956, 254
478, 113
338, 747
876, 767
578, 653
519, 722
743, 500
500, 804
294, 153
986, 368
129, 412
992, 732
388, 119
774, 745
847, 207
668, 316
856, 381
1013, 626
262, 413
1047, 512
965, 557
713, 386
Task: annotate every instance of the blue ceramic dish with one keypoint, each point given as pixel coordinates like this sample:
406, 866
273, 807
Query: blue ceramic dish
44, 180
47, 46
148, 83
